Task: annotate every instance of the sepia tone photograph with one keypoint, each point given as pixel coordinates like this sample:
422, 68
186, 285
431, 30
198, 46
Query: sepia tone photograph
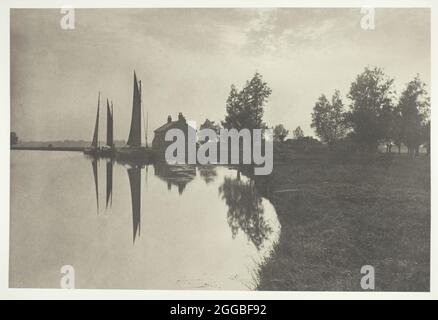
267, 149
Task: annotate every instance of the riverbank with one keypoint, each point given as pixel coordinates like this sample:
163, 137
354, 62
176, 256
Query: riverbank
77, 149
340, 214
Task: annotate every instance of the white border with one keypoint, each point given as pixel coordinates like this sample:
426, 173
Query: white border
6, 293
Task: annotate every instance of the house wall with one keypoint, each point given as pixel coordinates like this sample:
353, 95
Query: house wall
159, 144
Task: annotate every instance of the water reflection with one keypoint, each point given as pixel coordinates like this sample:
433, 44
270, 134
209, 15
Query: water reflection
96, 180
177, 175
109, 182
245, 209
211, 230
207, 173
134, 174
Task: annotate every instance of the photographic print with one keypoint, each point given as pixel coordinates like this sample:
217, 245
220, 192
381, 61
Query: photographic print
268, 149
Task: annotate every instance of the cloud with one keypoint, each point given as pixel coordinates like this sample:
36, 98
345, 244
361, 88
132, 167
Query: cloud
188, 59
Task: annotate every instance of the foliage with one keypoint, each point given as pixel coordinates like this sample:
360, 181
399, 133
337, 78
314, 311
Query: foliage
280, 133
245, 108
372, 103
328, 118
298, 133
414, 108
210, 125
14, 138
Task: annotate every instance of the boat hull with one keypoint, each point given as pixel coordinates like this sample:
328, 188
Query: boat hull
91, 151
137, 154
107, 152
100, 152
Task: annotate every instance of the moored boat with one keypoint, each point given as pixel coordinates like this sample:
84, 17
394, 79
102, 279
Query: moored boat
93, 150
108, 150
134, 150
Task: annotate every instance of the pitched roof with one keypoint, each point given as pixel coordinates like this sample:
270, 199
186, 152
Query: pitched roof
166, 126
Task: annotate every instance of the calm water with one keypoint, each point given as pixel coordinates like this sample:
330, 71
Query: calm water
122, 226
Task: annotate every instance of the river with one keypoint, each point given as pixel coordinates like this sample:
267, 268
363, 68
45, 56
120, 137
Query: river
123, 226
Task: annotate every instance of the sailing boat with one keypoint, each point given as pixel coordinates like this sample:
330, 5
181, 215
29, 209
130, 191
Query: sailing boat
134, 150
94, 148
108, 149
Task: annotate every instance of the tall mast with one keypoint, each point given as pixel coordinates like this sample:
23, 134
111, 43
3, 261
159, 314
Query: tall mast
96, 126
146, 130
112, 121
109, 125
134, 139
144, 125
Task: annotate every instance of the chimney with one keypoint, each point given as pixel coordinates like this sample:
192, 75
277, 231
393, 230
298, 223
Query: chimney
180, 117
169, 119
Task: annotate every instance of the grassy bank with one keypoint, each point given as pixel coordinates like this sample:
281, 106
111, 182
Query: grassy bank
338, 215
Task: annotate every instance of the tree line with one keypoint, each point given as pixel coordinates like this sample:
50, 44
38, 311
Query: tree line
374, 113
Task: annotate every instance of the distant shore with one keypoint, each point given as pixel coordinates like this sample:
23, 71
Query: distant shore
76, 149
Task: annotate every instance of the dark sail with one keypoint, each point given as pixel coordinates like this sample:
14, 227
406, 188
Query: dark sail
109, 125
134, 139
135, 182
109, 182
96, 182
96, 126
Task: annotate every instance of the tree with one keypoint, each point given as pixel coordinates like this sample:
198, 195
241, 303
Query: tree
371, 95
426, 134
213, 126
14, 138
414, 106
245, 108
280, 133
396, 129
210, 125
298, 133
328, 118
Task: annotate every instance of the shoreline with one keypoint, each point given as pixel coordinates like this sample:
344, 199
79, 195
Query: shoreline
74, 149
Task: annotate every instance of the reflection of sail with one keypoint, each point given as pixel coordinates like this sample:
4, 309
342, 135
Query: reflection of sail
135, 183
109, 182
96, 181
179, 175
245, 210
134, 139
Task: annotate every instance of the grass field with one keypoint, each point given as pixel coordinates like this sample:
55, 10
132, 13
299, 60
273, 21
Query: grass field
338, 215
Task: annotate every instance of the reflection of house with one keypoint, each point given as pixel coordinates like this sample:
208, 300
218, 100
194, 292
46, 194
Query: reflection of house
159, 143
207, 173
179, 175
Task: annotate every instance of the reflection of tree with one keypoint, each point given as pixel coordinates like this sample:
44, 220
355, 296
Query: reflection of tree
14, 138
245, 210
208, 173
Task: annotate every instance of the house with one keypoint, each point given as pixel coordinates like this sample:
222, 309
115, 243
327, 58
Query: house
159, 143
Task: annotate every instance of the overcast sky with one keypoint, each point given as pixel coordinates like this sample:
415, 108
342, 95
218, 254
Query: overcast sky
188, 59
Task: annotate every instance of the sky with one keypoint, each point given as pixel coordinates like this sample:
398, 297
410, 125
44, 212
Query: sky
187, 60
